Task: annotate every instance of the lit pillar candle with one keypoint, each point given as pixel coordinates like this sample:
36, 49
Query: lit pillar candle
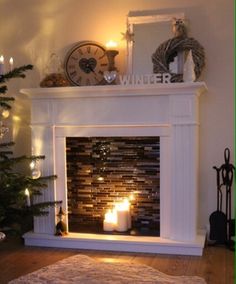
11, 63
109, 222
122, 218
1, 65
112, 45
127, 208
27, 197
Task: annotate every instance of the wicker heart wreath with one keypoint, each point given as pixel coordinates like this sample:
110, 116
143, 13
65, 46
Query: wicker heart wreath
170, 48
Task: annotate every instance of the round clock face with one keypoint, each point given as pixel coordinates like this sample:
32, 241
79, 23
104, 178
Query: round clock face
85, 64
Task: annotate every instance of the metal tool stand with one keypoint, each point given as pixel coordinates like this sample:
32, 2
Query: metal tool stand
225, 176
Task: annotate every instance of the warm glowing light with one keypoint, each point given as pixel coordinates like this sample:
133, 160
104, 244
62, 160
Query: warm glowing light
5, 113
131, 197
16, 118
109, 260
119, 218
32, 165
109, 222
100, 178
110, 216
111, 44
27, 197
11, 63
1, 59
123, 206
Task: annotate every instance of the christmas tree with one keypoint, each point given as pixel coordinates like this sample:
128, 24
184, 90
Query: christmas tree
18, 189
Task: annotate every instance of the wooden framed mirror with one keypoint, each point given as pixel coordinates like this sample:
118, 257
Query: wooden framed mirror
146, 30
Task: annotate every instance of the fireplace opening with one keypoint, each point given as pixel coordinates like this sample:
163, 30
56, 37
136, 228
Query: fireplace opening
113, 185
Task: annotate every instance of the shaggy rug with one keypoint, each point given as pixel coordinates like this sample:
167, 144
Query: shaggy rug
83, 269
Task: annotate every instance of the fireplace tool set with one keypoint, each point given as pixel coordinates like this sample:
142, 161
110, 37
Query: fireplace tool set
222, 226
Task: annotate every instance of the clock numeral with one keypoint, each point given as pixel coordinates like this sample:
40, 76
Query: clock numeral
73, 73
96, 50
80, 51
100, 72
88, 49
102, 55
104, 64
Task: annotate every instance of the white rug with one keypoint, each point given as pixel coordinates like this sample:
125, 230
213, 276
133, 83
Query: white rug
83, 269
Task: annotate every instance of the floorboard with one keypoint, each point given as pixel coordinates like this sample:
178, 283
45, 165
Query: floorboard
216, 265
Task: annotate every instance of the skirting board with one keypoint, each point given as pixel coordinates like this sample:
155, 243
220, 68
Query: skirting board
117, 243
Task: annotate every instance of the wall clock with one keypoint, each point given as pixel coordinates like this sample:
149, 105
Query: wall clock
85, 63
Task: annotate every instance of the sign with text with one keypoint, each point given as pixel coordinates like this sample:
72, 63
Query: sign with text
145, 79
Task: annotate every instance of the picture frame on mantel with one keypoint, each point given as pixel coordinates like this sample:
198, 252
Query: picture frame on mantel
146, 30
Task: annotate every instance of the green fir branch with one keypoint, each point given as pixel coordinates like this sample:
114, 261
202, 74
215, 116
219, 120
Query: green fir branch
7, 144
3, 89
16, 73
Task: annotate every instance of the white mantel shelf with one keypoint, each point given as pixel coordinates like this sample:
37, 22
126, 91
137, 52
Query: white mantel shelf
167, 111
116, 90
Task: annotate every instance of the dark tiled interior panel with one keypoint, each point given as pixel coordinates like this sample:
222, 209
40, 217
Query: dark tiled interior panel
104, 170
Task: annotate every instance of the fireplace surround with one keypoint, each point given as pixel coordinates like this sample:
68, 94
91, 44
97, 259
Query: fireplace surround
168, 111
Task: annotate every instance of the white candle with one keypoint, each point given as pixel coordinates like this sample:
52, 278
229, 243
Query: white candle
111, 45
122, 217
1, 65
108, 226
122, 221
109, 222
127, 208
11, 63
27, 197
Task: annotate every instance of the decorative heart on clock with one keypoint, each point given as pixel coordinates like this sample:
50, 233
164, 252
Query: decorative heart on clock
109, 76
87, 65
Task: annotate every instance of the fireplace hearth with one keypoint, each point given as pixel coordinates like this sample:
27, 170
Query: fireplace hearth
166, 111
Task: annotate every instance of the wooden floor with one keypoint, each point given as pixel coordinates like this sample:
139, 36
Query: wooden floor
216, 265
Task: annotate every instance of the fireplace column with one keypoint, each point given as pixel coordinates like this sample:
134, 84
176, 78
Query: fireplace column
184, 166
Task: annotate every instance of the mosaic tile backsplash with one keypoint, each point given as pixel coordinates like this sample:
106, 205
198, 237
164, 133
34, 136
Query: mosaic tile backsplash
104, 170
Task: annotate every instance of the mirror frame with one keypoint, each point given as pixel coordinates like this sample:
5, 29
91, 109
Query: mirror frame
138, 19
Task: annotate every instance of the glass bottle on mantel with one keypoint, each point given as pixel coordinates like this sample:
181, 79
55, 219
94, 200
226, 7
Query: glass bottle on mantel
54, 73
188, 70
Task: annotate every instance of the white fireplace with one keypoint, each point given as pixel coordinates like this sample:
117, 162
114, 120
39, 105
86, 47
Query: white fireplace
169, 111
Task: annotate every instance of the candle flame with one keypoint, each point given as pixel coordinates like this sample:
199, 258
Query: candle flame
27, 192
111, 44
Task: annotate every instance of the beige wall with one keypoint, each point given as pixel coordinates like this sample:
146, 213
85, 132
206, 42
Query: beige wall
32, 29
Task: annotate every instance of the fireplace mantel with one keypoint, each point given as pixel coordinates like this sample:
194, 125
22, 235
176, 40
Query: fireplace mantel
169, 111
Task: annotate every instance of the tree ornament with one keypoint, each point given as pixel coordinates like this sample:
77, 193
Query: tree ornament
36, 174
2, 236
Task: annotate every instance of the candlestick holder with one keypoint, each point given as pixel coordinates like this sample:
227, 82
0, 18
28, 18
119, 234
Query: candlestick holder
110, 74
111, 54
